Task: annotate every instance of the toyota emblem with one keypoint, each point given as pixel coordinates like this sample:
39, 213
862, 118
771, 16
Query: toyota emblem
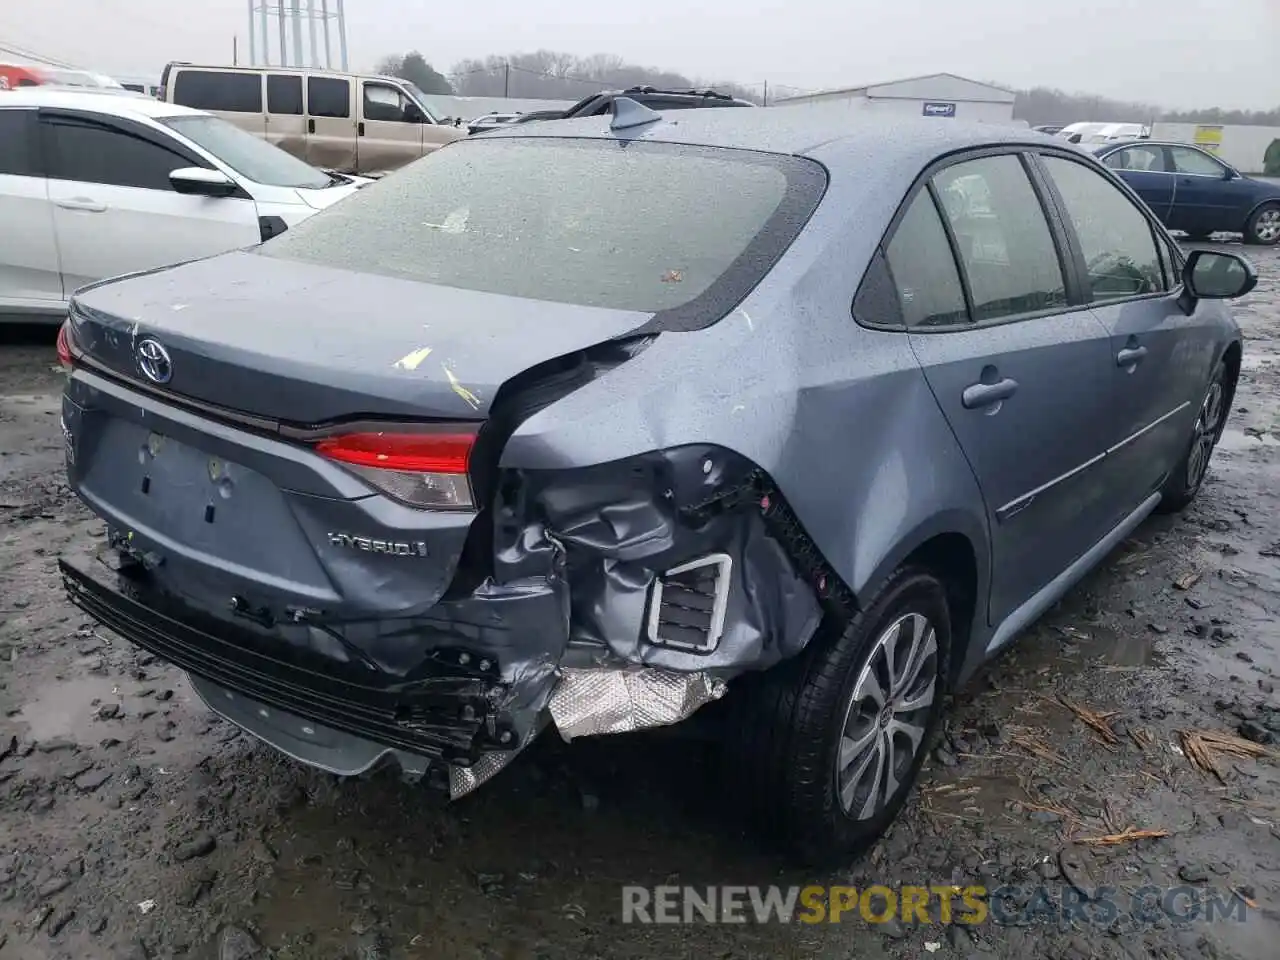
153, 360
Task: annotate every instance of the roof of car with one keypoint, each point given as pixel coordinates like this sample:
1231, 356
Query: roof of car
119, 102
794, 130
1140, 141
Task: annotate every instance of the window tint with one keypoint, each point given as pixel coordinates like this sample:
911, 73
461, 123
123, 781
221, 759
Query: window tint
1119, 248
573, 221
382, 102
328, 97
284, 95
1002, 236
16, 129
1141, 159
91, 153
218, 90
923, 268
1187, 160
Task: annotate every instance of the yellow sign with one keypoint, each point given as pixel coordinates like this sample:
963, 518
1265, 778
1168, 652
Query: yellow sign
1209, 138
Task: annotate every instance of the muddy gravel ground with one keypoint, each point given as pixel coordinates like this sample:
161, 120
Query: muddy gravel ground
135, 824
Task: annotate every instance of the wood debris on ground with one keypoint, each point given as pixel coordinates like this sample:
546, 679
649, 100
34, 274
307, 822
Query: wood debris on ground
1249, 902
1037, 749
1127, 835
1142, 738
1187, 580
1097, 722
1202, 747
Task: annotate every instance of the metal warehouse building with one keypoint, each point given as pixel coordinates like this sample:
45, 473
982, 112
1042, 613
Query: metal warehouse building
937, 95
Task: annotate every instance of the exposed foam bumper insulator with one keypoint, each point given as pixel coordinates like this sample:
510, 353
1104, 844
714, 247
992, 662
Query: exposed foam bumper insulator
595, 700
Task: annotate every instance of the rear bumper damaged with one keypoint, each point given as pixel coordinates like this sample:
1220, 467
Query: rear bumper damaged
604, 599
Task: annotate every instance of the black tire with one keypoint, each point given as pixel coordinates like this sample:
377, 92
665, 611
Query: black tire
1187, 476
788, 724
1263, 226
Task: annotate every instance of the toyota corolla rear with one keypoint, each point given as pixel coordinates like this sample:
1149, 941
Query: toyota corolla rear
300, 453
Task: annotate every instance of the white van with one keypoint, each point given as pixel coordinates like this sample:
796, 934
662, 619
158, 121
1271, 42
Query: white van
1103, 132
336, 121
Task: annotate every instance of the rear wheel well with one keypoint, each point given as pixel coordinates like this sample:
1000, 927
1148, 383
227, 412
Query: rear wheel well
951, 558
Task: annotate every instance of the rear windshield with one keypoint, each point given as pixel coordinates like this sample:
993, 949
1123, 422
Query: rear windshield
629, 225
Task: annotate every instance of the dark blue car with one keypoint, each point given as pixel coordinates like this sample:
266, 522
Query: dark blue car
1195, 192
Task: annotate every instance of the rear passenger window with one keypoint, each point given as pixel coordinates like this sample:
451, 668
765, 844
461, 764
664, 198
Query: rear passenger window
1119, 247
328, 97
219, 90
16, 131
923, 268
1002, 238
284, 95
1149, 159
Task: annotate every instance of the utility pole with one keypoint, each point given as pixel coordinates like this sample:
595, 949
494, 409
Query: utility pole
284, 50
766, 94
328, 50
266, 38
342, 34
235, 50
253, 39
506, 79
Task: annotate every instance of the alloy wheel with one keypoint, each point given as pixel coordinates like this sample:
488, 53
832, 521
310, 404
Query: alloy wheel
1205, 433
1267, 226
886, 719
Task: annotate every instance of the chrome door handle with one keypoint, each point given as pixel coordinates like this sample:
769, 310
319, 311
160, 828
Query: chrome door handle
985, 394
82, 203
1130, 356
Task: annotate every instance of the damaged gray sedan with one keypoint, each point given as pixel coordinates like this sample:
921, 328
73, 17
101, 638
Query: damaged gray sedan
587, 425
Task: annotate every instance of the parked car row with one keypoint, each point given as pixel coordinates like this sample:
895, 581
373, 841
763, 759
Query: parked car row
870, 402
96, 184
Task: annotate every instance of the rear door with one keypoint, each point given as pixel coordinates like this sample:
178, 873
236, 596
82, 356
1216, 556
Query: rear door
1146, 168
331, 123
1019, 368
1210, 197
235, 96
29, 272
286, 114
1160, 357
386, 136
114, 210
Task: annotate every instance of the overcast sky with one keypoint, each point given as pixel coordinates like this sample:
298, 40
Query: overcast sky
1175, 53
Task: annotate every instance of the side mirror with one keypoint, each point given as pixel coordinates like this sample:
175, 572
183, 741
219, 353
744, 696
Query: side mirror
1211, 275
201, 182
1229, 174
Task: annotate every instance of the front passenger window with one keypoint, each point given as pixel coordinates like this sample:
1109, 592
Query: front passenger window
383, 103
1115, 236
924, 270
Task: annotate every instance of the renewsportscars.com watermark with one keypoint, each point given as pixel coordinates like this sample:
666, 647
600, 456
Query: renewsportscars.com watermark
1013, 905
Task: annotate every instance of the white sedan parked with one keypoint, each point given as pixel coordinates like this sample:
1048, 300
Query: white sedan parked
94, 184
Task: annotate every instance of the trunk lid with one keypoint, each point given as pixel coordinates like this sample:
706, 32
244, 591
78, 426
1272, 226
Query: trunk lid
306, 344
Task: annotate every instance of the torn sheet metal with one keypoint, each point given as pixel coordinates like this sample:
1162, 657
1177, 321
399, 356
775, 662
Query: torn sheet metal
592, 701
624, 525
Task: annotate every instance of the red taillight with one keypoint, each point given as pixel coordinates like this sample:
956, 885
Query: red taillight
420, 469
64, 344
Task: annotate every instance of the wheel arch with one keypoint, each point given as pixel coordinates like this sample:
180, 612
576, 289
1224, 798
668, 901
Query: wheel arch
1267, 201
953, 546
1232, 358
